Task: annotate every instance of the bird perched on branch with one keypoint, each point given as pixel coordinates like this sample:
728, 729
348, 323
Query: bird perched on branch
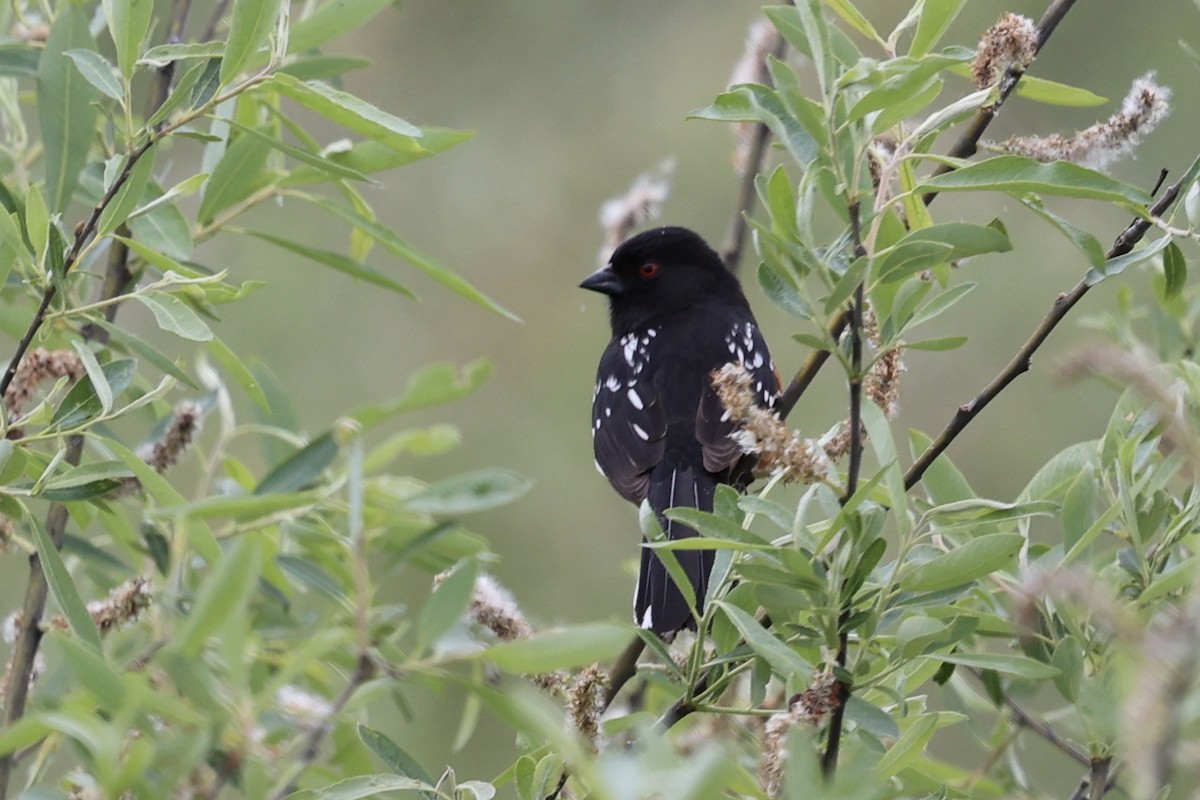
659, 431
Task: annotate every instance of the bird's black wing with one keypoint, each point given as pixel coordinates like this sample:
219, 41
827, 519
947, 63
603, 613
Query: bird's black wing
715, 428
629, 426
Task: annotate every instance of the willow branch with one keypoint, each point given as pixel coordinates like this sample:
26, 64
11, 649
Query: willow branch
1023, 358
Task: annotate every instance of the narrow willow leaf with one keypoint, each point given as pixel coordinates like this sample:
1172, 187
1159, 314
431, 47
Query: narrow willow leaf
388, 238
63, 587
559, 648
936, 17
1115, 266
432, 385
783, 294
1087, 243
163, 54
317, 67
362, 786
1175, 269
83, 402
223, 594
392, 755
129, 196
175, 316
239, 173
65, 109
350, 112
976, 558
939, 344
94, 672
470, 492
249, 26
1019, 175
783, 660
330, 20
228, 359
926, 248
1008, 664
302, 469
129, 23
446, 606
854, 18
907, 748
370, 157
18, 60
96, 70
242, 508
99, 383
337, 261
312, 159
142, 348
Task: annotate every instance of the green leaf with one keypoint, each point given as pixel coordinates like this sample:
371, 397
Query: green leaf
65, 110
938, 344
1018, 666
936, 17
312, 159
241, 373
398, 246
100, 385
223, 595
63, 587
754, 103
249, 26
1175, 269
163, 54
908, 748
560, 648
928, 247
141, 348
319, 67
783, 660
446, 606
370, 157
128, 22
1087, 243
1040, 90
175, 316
1019, 175
350, 112
939, 304
302, 469
239, 173
1068, 660
241, 507
393, 756
976, 558
854, 18
362, 786
83, 401
432, 385
129, 196
783, 293
338, 262
332, 19
96, 70
1115, 266
18, 60
94, 672
473, 491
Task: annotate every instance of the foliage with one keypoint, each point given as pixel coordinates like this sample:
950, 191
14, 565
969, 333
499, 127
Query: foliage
215, 631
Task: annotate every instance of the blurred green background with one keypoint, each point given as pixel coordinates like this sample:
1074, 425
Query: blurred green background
571, 100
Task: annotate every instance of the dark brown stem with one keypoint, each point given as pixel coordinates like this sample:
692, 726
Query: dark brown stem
1023, 358
84, 233
311, 746
1026, 720
812, 365
623, 669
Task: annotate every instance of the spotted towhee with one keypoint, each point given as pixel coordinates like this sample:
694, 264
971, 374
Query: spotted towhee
659, 431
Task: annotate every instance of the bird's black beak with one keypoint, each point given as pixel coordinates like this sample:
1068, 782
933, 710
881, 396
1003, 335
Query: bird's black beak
604, 281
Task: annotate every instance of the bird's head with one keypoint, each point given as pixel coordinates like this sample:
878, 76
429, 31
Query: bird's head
661, 272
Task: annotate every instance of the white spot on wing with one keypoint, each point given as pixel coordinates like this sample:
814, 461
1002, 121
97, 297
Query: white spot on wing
612, 383
648, 618
635, 398
645, 437
599, 468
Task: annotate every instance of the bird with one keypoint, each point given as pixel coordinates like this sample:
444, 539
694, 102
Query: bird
659, 431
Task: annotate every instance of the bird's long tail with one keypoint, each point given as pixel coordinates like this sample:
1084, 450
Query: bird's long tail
659, 605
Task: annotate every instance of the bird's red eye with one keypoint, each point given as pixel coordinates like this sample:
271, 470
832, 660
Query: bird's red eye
649, 269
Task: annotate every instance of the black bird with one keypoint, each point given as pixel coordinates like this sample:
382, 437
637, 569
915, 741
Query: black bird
659, 431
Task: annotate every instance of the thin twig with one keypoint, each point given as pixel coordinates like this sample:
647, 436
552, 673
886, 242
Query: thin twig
311, 747
1026, 720
1023, 358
